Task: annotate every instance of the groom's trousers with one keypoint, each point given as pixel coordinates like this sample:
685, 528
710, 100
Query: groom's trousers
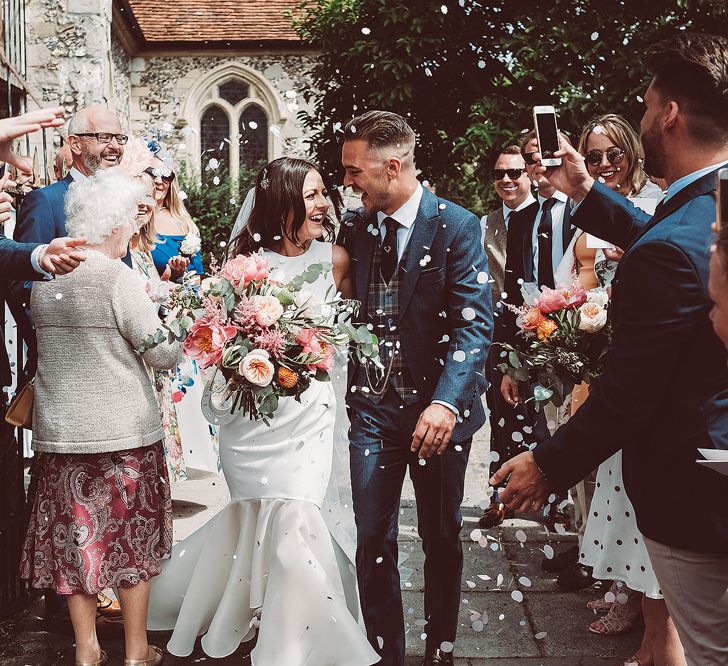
380, 439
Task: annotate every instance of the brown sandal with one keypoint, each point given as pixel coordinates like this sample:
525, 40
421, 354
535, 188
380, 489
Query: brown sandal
157, 659
620, 619
602, 605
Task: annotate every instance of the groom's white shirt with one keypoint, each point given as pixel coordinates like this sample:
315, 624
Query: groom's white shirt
406, 215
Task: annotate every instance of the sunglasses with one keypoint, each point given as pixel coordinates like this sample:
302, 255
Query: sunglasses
614, 156
528, 157
157, 173
513, 174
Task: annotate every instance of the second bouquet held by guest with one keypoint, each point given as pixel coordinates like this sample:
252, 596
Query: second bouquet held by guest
566, 336
101, 515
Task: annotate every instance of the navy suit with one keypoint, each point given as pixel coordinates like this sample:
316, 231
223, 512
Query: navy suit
664, 392
444, 308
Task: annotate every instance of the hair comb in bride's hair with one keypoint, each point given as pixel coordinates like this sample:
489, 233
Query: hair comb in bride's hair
264, 182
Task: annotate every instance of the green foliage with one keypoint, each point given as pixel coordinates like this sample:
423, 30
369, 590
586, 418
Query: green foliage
466, 74
213, 201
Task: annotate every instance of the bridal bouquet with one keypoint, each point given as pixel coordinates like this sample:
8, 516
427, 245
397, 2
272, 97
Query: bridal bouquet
565, 334
269, 339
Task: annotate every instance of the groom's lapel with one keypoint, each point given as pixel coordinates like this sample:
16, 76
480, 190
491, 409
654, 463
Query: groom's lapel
364, 255
420, 243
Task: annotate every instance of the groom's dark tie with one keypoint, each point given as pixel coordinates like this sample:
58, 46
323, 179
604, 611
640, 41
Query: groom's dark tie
545, 242
389, 249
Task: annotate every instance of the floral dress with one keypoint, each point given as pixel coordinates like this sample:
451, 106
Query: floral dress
164, 386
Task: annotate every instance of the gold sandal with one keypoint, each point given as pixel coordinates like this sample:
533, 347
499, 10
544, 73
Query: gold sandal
157, 659
103, 658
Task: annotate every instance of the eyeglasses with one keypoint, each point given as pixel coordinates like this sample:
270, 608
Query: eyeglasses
529, 158
513, 174
614, 156
105, 137
157, 173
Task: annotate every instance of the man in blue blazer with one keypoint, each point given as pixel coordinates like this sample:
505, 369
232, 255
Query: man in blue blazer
96, 142
664, 392
421, 273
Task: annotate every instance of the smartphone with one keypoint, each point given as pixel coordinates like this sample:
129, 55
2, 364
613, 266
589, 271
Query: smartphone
547, 134
721, 199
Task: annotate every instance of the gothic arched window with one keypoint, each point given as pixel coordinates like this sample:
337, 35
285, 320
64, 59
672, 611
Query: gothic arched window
215, 135
235, 125
253, 131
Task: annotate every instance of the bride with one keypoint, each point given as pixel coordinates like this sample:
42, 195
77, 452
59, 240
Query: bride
267, 561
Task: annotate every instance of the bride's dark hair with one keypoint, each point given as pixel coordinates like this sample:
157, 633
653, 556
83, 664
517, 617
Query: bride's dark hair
278, 191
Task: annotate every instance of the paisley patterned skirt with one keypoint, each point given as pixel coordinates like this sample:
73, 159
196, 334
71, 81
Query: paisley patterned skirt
98, 520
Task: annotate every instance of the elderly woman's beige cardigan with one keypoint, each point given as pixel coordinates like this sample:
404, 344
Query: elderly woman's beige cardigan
92, 390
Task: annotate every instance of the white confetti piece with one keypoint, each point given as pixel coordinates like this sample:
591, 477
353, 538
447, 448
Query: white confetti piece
540, 635
482, 277
447, 646
526, 582
366, 31
458, 356
468, 313
548, 551
478, 625
521, 536
517, 596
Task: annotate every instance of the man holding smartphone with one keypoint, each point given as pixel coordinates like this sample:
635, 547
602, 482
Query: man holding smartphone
664, 391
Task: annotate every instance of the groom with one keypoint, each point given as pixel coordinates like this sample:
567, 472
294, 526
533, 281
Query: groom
420, 272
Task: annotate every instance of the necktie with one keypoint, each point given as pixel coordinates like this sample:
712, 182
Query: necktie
389, 249
545, 241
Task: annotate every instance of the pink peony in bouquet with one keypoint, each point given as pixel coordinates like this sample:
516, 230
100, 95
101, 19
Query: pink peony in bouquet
565, 337
268, 339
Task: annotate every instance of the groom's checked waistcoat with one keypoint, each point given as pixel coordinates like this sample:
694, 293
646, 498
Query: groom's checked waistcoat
382, 312
444, 312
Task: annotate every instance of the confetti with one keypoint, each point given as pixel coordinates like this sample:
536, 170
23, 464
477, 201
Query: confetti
540, 635
482, 277
447, 646
521, 536
366, 31
468, 313
517, 596
458, 356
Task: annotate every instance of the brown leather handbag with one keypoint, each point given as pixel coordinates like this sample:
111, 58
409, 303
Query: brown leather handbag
20, 411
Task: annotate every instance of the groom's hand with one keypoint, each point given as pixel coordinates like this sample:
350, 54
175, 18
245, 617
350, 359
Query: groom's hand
433, 431
527, 487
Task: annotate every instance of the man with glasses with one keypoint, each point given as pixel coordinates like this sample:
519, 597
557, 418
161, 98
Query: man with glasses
96, 142
513, 186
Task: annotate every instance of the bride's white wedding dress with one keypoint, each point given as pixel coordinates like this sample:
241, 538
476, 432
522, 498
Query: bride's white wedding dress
267, 561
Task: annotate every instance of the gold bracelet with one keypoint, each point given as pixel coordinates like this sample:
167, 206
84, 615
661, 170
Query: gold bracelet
545, 478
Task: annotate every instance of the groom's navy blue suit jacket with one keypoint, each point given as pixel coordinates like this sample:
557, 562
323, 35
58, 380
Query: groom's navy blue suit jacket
664, 392
444, 305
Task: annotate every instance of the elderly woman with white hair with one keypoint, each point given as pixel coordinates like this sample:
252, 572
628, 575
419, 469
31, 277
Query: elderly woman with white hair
101, 514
